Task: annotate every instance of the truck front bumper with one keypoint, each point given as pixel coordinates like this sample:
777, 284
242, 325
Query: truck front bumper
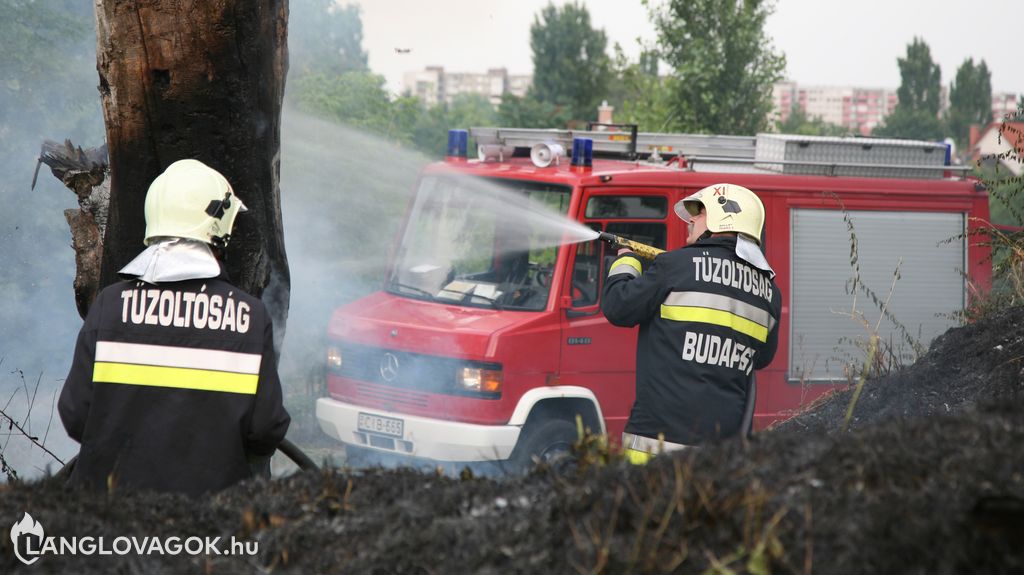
421, 436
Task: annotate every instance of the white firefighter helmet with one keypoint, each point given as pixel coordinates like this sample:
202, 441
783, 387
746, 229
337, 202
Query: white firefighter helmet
729, 208
191, 200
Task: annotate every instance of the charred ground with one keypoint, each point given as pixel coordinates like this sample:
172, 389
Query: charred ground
928, 478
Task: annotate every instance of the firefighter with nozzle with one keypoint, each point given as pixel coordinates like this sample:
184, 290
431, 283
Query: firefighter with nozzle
708, 315
174, 385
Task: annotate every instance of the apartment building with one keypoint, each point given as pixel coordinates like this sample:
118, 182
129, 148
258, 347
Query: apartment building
1003, 104
434, 85
859, 110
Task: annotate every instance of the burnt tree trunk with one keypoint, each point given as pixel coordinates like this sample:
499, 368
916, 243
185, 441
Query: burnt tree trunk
199, 79
85, 173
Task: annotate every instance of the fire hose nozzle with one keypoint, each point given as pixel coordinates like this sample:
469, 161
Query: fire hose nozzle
643, 250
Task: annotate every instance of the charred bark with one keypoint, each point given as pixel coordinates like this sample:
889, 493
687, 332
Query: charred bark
88, 246
205, 80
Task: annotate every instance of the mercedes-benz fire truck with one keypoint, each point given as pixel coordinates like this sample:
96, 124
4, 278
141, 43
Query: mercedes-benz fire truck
474, 352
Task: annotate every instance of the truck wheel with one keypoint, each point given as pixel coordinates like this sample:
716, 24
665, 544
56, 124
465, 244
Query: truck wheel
549, 442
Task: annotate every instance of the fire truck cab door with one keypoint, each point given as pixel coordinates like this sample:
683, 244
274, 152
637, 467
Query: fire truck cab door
596, 354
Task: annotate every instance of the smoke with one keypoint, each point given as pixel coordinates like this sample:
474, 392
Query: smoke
47, 52
343, 196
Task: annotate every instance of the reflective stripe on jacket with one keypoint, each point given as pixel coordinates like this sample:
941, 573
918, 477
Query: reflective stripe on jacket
173, 387
707, 319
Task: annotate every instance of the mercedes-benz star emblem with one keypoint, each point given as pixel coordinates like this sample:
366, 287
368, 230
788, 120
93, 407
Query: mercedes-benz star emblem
388, 367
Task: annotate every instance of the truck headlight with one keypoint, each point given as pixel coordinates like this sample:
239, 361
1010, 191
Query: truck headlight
480, 380
333, 357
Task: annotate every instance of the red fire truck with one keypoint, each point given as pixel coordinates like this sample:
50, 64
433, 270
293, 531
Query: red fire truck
475, 352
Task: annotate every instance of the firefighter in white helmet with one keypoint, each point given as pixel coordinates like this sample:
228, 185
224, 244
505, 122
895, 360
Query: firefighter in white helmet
708, 315
174, 385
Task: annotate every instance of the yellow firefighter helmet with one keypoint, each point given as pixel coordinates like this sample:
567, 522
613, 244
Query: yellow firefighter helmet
191, 200
729, 208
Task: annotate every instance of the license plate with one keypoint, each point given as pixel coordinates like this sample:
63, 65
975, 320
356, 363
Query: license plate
378, 424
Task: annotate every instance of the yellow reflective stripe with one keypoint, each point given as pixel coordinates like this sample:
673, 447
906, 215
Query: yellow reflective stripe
626, 261
637, 457
715, 317
177, 377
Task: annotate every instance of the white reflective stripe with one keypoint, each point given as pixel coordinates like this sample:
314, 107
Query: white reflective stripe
650, 444
184, 357
722, 303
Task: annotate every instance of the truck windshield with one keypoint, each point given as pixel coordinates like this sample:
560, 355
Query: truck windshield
481, 242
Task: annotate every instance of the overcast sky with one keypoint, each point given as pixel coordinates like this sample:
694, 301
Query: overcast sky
826, 42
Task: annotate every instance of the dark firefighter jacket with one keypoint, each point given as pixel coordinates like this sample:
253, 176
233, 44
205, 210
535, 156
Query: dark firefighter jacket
172, 387
707, 319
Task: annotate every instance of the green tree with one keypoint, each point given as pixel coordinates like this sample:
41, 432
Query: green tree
527, 112
468, 110
354, 98
912, 124
917, 113
970, 100
325, 37
639, 94
921, 79
724, 63
430, 129
570, 66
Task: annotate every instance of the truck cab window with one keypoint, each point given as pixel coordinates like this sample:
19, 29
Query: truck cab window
652, 234
586, 272
632, 207
591, 261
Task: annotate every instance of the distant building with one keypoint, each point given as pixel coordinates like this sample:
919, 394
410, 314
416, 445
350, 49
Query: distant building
434, 85
859, 110
1002, 143
783, 97
426, 84
1003, 104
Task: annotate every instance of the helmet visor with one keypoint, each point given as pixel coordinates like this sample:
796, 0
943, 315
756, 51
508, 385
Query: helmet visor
687, 208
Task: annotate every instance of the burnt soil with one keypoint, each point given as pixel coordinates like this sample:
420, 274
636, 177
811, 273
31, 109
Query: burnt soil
928, 477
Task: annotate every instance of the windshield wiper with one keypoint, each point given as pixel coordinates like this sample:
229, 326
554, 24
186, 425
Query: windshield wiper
413, 289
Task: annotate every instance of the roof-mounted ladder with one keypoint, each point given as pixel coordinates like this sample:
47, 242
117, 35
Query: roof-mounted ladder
621, 144
765, 153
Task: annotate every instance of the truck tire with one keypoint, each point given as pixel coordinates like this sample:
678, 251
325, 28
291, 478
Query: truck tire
549, 442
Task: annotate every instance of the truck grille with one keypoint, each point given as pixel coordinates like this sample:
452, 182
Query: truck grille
412, 371
394, 398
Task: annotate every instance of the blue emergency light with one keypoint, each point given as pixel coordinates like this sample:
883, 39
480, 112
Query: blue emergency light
458, 142
582, 152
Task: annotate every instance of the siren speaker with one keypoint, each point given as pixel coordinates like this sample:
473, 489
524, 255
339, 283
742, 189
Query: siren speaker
494, 152
545, 154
